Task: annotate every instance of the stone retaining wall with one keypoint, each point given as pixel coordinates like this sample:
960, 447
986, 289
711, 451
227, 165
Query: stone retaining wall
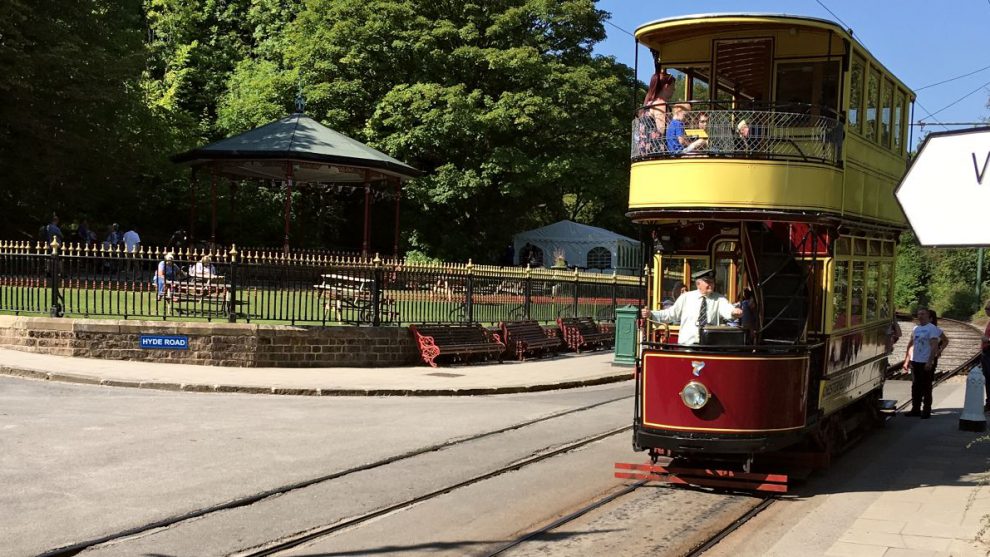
219, 344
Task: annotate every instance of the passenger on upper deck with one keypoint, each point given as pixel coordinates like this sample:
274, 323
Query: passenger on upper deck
677, 139
696, 309
653, 117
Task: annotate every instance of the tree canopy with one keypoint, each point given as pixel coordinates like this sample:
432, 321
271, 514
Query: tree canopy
502, 104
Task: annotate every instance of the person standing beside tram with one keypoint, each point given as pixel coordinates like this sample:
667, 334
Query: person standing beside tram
696, 309
985, 356
927, 341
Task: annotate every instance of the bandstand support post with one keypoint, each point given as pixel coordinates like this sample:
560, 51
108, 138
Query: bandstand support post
288, 204
398, 197
192, 205
213, 207
365, 245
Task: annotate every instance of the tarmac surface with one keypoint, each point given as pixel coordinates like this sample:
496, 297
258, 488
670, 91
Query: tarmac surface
560, 372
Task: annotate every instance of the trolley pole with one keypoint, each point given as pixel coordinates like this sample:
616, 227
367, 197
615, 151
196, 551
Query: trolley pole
979, 276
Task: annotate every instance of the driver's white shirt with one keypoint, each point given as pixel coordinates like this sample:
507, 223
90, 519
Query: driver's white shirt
685, 312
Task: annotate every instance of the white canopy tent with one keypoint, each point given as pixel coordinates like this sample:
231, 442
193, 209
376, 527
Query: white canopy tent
585, 247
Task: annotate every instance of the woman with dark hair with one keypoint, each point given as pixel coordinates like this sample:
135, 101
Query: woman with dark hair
653, 116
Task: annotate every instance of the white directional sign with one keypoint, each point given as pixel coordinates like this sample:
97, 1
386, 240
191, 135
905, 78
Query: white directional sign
946, 192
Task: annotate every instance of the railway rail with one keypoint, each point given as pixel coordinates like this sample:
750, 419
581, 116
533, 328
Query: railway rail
79, 547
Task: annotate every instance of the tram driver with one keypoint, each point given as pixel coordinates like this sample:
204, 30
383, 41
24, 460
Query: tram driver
696, 309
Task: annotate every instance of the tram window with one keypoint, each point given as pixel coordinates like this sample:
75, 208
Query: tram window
808, 83
872, 286
700, 90
840, 295
842, 246
872, 100
874, 248
898, 120
680, 86
886, 97
859, 246
695, 265
856, 94
671, 278
885, 290
856, 293
888, 249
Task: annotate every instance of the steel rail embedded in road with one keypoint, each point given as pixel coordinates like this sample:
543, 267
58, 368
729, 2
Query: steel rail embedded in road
78, 547
313, 535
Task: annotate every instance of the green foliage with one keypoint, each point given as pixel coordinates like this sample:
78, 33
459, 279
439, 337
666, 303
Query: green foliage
502, 105
943, 279
913, 275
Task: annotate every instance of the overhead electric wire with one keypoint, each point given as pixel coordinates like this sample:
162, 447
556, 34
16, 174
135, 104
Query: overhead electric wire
619, 28
922, 107
960, 99
953, 78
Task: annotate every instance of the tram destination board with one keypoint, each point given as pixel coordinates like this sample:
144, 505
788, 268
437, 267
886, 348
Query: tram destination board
946, 191
164, 342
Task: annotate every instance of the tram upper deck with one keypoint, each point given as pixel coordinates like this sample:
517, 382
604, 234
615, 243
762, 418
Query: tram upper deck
779, 115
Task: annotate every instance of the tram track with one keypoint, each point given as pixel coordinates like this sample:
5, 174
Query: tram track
314, 535
961, 331
203, 512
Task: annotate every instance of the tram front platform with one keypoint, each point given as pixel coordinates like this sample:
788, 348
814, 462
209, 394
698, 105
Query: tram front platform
560, 372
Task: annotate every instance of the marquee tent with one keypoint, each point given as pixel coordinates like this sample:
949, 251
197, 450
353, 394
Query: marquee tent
585, 247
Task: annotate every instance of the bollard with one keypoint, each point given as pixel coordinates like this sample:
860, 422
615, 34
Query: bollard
973, 418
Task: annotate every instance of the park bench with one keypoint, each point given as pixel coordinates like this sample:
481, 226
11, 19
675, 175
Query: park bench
583, 332
458, 341
527, 337
348, 299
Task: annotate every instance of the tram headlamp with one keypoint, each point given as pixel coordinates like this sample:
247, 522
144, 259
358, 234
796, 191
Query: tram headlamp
695, 395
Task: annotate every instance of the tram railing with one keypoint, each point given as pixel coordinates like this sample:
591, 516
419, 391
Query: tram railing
273, 287
713, 129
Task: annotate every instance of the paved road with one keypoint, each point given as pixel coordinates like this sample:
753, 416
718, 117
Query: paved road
78, 462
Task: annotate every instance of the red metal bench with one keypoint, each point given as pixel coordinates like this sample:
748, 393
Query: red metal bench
458, 341
583, 332
527, 337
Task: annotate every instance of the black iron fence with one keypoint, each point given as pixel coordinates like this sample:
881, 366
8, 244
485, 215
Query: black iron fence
311, 289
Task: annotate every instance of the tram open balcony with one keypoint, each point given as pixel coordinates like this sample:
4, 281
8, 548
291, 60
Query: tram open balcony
776, 158
782, 132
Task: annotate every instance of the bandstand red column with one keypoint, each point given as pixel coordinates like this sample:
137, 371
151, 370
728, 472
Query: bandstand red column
398, 196
288, 204
192, 205
213, 207
367, 216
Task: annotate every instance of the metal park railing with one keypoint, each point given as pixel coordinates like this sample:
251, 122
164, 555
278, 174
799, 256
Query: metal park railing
272, 287
713, 129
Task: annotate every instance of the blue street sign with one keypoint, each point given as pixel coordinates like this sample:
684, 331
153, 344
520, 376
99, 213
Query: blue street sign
165, 342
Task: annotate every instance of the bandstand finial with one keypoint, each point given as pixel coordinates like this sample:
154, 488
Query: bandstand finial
300, 100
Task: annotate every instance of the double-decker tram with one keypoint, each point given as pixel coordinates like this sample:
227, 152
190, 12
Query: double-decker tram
767, 151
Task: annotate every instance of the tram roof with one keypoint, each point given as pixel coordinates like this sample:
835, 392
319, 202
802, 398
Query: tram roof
685, 23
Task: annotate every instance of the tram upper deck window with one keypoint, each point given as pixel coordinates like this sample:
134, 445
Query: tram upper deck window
856, 73
809, 84
857, 292
898, 120
872, 104
886, 100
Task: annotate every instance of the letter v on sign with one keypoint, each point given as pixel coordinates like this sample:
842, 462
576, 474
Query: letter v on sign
945, 194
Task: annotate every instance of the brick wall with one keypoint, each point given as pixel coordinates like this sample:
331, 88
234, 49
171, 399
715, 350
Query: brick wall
219, 344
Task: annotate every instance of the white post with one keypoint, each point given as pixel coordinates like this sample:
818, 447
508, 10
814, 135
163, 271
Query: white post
973, 418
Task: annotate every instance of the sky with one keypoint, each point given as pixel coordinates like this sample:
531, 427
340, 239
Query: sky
921, 42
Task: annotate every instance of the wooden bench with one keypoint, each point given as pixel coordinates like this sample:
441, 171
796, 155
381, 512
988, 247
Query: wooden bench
583, 332
527, 337
456, 340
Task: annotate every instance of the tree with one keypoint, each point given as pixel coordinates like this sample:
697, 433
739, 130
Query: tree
502, 104
75, 134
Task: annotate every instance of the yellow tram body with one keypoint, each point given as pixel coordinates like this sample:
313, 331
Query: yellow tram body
803, 138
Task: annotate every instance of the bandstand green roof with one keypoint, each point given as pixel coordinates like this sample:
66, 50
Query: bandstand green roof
317, 154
